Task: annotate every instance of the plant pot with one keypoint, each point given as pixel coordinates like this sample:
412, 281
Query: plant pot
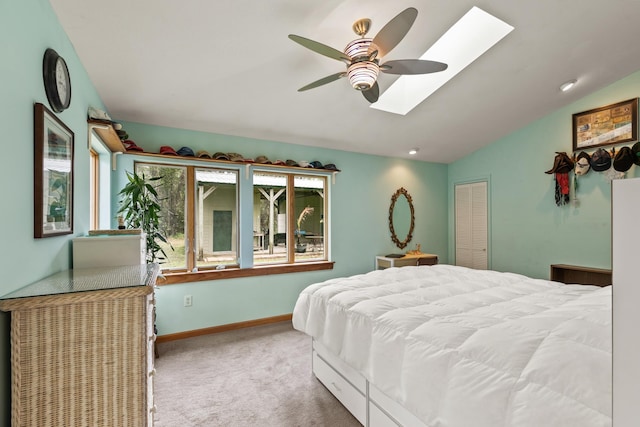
301, 248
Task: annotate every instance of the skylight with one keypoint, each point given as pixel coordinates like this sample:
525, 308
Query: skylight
474, 34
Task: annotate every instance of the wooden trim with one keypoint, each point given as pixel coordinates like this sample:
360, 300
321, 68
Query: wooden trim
94, 179
224, 328
291, 218
190, 218
262, 166
232, 273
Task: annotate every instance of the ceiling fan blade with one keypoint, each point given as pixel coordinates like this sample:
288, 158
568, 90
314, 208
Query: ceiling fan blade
320, 48
395, 30
323, 81
412, 66
372, 94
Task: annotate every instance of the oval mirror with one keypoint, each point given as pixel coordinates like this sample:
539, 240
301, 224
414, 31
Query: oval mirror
401, 218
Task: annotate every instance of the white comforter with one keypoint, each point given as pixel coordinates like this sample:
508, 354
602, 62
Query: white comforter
467, 348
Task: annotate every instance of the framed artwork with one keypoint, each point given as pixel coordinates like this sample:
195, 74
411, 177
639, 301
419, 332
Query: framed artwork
613, 124
53, 175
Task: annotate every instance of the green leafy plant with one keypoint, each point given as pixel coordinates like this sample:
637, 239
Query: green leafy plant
141, 208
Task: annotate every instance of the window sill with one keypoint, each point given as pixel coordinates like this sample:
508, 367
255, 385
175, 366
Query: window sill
232, 273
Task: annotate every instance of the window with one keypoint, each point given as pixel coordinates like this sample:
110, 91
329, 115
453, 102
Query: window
309, 218
99, 178
94, 181
271, 222
199, 221
203, 209
216, 218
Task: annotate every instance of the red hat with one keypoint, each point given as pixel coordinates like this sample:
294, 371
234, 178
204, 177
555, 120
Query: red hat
131, 146
165, 149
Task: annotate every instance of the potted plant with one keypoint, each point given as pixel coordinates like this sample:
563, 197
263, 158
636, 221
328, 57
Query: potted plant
141, 209
302, 247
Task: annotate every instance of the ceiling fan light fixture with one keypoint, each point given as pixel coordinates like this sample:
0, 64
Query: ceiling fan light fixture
362, 75
358, 48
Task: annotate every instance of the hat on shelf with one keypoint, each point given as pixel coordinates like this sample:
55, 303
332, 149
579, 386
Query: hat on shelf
122, 134
263, 160
203, 154
186, 151
290, 162
131, 146
96, 113
331, 167
316, 164
235, 157
165, 149
623, 160
280, 162
582, 165
304, 164
600, 160
220, 156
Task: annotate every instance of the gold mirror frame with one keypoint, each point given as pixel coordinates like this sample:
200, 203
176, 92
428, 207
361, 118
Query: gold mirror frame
401, 244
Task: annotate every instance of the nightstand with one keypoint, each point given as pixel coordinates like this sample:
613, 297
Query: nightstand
383, 262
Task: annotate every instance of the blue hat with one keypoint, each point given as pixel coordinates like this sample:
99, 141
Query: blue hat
186, 151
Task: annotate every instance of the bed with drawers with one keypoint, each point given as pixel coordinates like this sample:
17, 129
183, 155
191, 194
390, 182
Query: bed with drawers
447, 346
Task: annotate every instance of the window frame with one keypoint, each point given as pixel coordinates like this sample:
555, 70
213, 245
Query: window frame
245, 188
94, 189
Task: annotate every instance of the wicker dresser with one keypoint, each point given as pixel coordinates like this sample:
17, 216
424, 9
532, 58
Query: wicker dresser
82, 348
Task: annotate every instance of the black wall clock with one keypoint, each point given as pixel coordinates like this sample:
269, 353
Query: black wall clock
57, 83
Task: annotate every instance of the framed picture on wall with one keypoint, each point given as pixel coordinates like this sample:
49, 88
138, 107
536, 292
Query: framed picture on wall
53, 175
613, 124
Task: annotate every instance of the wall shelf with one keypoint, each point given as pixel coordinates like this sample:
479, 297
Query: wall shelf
107, 134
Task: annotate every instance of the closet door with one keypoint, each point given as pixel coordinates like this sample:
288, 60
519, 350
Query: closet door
471, 225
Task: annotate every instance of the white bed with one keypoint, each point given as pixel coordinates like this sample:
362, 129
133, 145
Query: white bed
446, 346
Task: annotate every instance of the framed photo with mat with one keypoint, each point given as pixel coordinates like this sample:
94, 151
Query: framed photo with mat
53, 175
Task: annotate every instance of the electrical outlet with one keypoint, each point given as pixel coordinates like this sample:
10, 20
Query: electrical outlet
188, 300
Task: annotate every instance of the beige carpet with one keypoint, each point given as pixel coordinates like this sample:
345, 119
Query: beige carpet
257, 376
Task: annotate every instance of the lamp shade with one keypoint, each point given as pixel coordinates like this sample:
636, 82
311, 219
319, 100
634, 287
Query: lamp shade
362, 75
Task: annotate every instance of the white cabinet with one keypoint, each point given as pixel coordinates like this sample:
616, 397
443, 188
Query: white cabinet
626, 295
109, 250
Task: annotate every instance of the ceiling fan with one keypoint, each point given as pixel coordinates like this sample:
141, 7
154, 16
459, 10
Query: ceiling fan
363, 55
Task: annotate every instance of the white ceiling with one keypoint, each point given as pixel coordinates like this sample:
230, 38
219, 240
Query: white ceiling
229, 68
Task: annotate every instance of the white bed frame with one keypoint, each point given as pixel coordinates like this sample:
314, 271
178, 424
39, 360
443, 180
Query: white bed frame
370, 406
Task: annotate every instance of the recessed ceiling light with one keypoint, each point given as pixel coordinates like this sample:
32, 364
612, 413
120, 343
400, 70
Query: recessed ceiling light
568, 85
474, 34
413, 151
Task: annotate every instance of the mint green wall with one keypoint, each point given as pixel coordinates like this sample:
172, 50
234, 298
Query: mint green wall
27, 28
528, 231
359, 212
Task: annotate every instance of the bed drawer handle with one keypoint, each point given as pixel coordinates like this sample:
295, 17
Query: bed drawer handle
338, 389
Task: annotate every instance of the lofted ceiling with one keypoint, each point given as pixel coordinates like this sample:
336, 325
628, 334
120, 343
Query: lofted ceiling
229, 68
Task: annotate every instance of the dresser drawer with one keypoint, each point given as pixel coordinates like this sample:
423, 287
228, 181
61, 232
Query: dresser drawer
343, 390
